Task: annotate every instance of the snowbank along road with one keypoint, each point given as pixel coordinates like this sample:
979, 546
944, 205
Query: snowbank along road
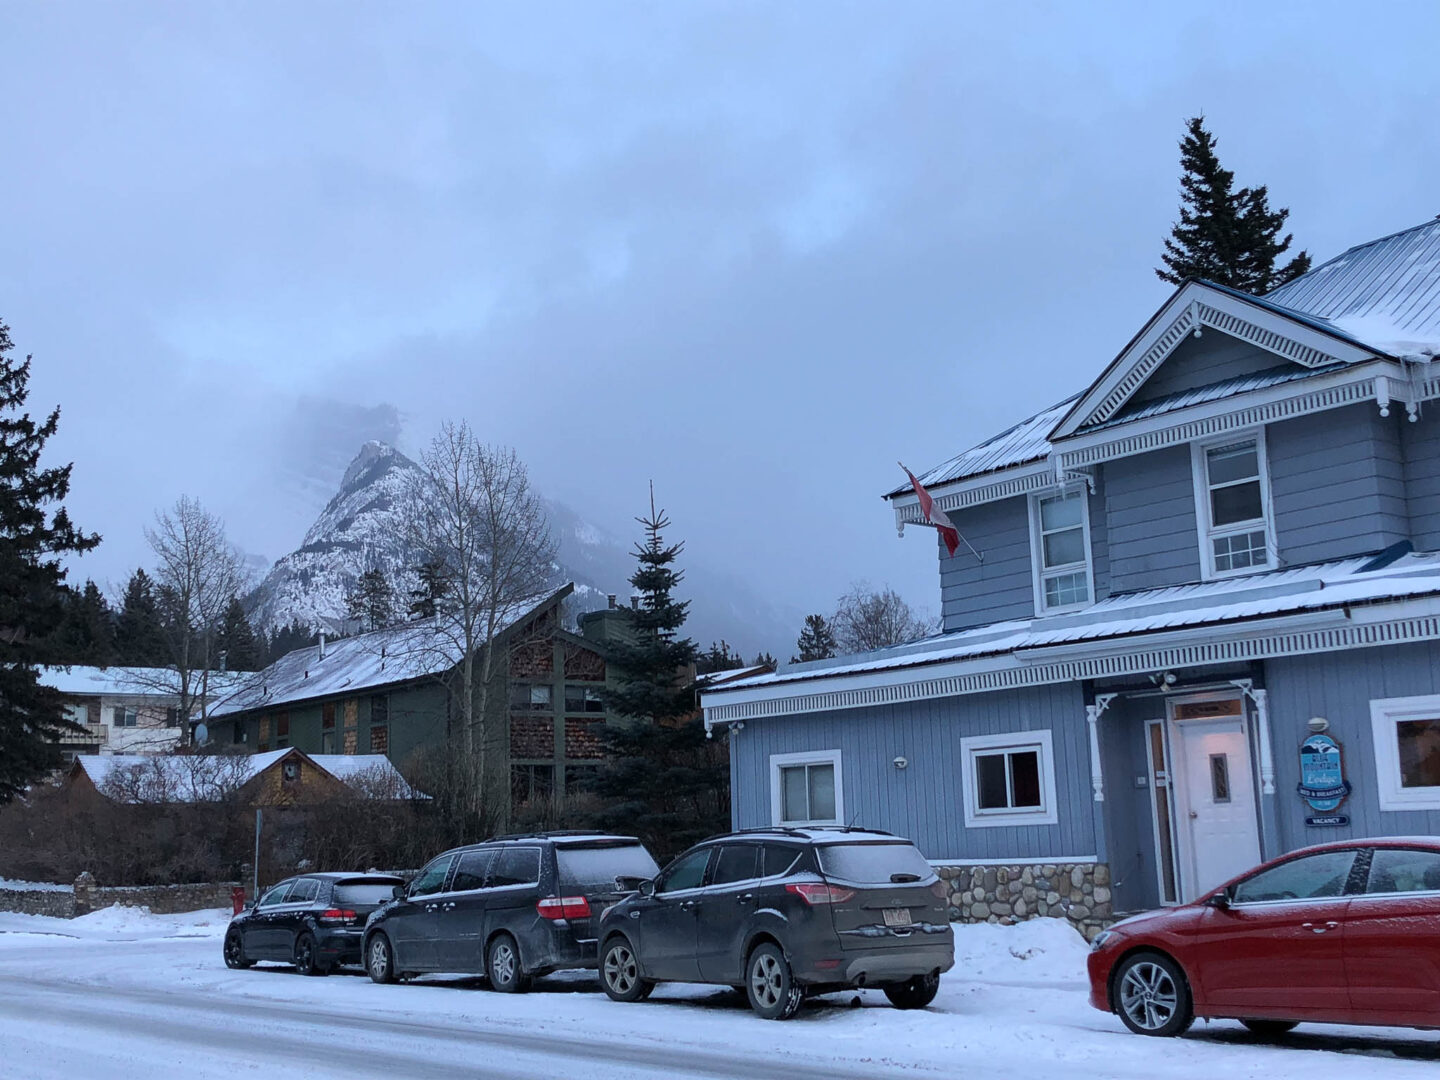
122, 994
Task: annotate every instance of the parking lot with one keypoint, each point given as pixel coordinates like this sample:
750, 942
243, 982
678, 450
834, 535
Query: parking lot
123, 994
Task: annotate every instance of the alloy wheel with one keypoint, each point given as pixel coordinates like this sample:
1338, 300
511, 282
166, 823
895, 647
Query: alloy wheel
1148, 995
305, 955
766, 980
379, 959
620, 969
502, 963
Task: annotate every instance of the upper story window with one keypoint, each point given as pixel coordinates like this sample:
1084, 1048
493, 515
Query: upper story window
1060, 541
1233, 507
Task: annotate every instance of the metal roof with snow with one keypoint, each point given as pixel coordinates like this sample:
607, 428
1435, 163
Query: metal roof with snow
79, 680
1026, 441
205, 778
1385, 292
1229, 601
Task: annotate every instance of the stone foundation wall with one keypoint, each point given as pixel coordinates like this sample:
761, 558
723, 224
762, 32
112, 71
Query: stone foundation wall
1007, 893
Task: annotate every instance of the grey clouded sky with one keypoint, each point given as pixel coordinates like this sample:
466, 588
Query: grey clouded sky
757, 252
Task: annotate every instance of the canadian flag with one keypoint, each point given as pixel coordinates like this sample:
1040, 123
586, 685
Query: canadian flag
933, 516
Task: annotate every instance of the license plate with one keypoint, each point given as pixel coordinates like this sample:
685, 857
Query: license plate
897, 916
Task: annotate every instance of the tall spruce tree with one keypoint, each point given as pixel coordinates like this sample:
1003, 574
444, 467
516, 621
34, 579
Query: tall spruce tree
139, 641
429, 590
87, 632
1226, 236
816, 641
662, 779
237, 642
35, 531
372, 602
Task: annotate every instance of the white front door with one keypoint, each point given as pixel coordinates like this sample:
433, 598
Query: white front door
1215, 802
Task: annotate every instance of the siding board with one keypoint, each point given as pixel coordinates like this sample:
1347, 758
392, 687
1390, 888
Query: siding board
1150, 513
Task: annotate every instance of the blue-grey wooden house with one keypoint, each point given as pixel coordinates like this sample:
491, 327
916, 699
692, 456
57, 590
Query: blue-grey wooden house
1223, 553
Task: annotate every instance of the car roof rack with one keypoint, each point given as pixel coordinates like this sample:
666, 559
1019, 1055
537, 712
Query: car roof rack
549, 834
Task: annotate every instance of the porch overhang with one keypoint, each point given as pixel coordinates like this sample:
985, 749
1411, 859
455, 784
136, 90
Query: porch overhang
1345, 625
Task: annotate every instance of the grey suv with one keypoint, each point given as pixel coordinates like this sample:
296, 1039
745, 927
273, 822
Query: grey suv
783, 913
511, 908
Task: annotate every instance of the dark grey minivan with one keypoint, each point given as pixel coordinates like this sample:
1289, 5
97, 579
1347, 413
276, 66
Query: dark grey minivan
512, 908
783, 913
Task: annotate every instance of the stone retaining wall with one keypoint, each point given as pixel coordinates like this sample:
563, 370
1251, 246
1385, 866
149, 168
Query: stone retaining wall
1007, 893
57, 903
85, 896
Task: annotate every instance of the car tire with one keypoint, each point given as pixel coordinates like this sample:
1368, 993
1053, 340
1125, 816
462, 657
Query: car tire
769, 984
235, 952
620, 972
380, 959
1152, 995
1270, 1029
914, 993
305, 958
502, 965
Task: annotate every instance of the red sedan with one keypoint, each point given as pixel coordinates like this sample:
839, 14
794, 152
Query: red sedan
1344, 933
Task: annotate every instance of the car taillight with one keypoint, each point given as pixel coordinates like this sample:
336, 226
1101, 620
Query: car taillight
564, 907
337, 915
812, 893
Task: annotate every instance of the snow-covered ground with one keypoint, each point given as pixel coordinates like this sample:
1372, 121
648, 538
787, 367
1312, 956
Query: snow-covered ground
121, 994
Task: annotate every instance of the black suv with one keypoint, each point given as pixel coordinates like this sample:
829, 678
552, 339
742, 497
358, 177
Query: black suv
511, 908
314, 921
783, 913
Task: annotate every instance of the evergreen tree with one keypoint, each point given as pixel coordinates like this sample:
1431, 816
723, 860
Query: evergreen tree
1226, 236
236, 642
816, 641
425, 598
718, 657
139, 641
286, 639
33, 537
87, 632
662, 779
372, 602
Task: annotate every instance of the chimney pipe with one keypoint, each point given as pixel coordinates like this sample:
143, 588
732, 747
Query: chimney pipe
322, 645
635, 603
612, 600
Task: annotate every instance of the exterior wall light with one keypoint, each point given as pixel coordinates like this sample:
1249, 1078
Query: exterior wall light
1318, 724
901, 763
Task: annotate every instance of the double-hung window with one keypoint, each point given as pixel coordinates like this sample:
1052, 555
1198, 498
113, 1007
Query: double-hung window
1009, 779
1234, 508
805, 789
1059, 526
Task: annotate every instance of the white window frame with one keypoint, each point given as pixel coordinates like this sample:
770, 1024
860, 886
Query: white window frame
1038, 573
1385, 714
1200, 475
809, 757
975, 745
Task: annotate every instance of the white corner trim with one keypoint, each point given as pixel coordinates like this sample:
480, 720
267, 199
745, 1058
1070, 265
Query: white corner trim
1385, 713
806, 757
972, 746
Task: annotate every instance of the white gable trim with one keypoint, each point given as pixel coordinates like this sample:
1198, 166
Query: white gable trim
1002, 484
1192, 308
1295, 635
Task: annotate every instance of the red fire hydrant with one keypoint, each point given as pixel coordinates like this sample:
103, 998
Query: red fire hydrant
237, 899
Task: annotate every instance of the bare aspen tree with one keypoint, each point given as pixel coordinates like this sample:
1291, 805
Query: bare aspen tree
867, 619
197, 571
480, 525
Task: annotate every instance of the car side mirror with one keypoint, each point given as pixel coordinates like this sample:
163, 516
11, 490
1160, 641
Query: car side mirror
646, 888
398, 892
628, 883
1220, 900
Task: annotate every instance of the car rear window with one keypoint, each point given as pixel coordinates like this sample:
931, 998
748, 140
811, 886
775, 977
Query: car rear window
602, 865
872, 864
364, 892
